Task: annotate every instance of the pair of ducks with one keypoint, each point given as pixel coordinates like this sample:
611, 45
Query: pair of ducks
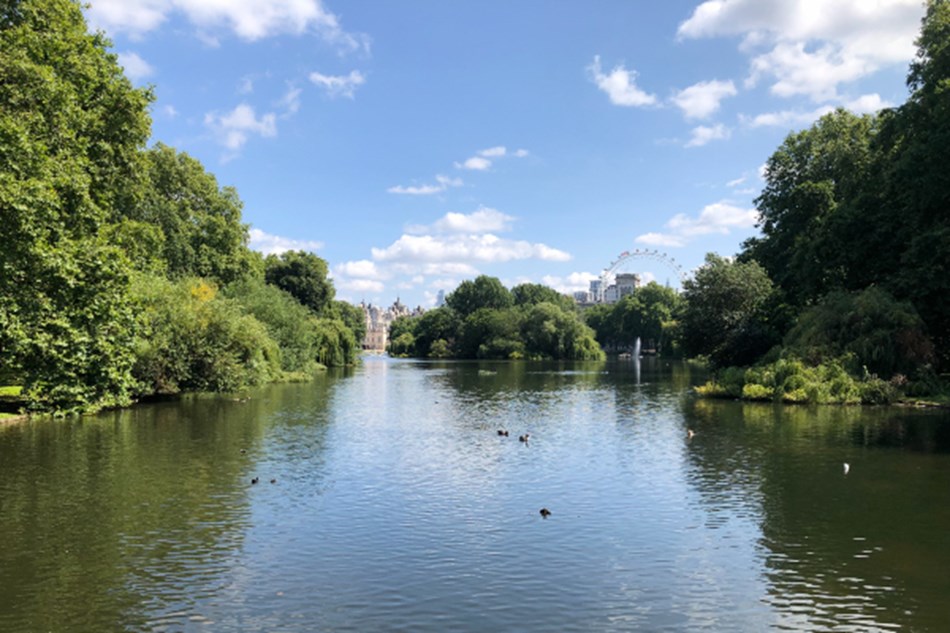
257, 480
521, 438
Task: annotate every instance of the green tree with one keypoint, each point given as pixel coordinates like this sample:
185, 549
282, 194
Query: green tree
200, 221
549, 332
723, 314
352, 316
882, 334
441, 324
814, 182
488, 333
483, 292
71, 131
915, 154
533, 294
303, 275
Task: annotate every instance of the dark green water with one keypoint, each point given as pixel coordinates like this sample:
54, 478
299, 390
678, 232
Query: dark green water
397, 507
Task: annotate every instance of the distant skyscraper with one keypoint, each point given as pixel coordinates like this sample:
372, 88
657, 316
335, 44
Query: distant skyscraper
440, 299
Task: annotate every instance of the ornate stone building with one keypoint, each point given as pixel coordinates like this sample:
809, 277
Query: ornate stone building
378, 321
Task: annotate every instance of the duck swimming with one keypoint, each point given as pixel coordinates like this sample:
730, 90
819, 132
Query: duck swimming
545, 513
524, 438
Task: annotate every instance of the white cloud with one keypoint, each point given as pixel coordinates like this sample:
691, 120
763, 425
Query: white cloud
575, 282
464, 248
339, 85
521, 153
660, 239
812, 45
484, 220
701, 100
169, 111
234, 127
135, 67
620, 85
865, 104
248, 19
442, 183
477, 163
493, 152
720, 217
704, 134
275, 244
362, 268
735, 183
359, 285
290, 102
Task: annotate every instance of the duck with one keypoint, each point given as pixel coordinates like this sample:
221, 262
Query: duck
274, 480
255, 480
545, 513
524, 438
502, 432
690, 433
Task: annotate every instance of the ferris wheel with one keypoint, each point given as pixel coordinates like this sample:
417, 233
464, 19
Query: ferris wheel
645, 254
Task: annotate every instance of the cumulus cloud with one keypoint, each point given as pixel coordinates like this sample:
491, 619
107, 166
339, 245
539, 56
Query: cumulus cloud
482, 160
233, 128
363, 268
442, 183
484, 220
465, 248
339, 85
701, 100
135, 67
478, 163
720, 217
575, 282
275, 244
248, 19
704, 134
620, 85
810, 47
865, 104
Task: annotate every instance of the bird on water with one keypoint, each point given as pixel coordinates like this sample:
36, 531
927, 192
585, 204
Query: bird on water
545, 513
524, 438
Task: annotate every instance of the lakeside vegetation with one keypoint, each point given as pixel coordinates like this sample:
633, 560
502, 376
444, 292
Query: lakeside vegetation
855, 250
125, 270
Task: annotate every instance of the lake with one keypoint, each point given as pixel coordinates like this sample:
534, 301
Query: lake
395, 505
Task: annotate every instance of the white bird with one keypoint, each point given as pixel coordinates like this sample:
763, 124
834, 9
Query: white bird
847, 467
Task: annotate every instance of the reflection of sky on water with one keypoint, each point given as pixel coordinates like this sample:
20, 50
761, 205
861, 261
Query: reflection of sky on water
397, 506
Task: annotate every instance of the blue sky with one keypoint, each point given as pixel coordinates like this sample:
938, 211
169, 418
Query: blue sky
417, 144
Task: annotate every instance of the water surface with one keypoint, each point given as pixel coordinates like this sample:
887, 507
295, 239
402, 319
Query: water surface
396, 506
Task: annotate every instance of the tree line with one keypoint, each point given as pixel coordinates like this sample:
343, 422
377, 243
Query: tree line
483, 319
124, 269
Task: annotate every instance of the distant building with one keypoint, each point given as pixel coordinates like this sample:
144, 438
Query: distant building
378, 321
440, 299
624, 284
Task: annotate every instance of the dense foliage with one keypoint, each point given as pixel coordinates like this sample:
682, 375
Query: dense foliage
483, 319
855, 220
113, 254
